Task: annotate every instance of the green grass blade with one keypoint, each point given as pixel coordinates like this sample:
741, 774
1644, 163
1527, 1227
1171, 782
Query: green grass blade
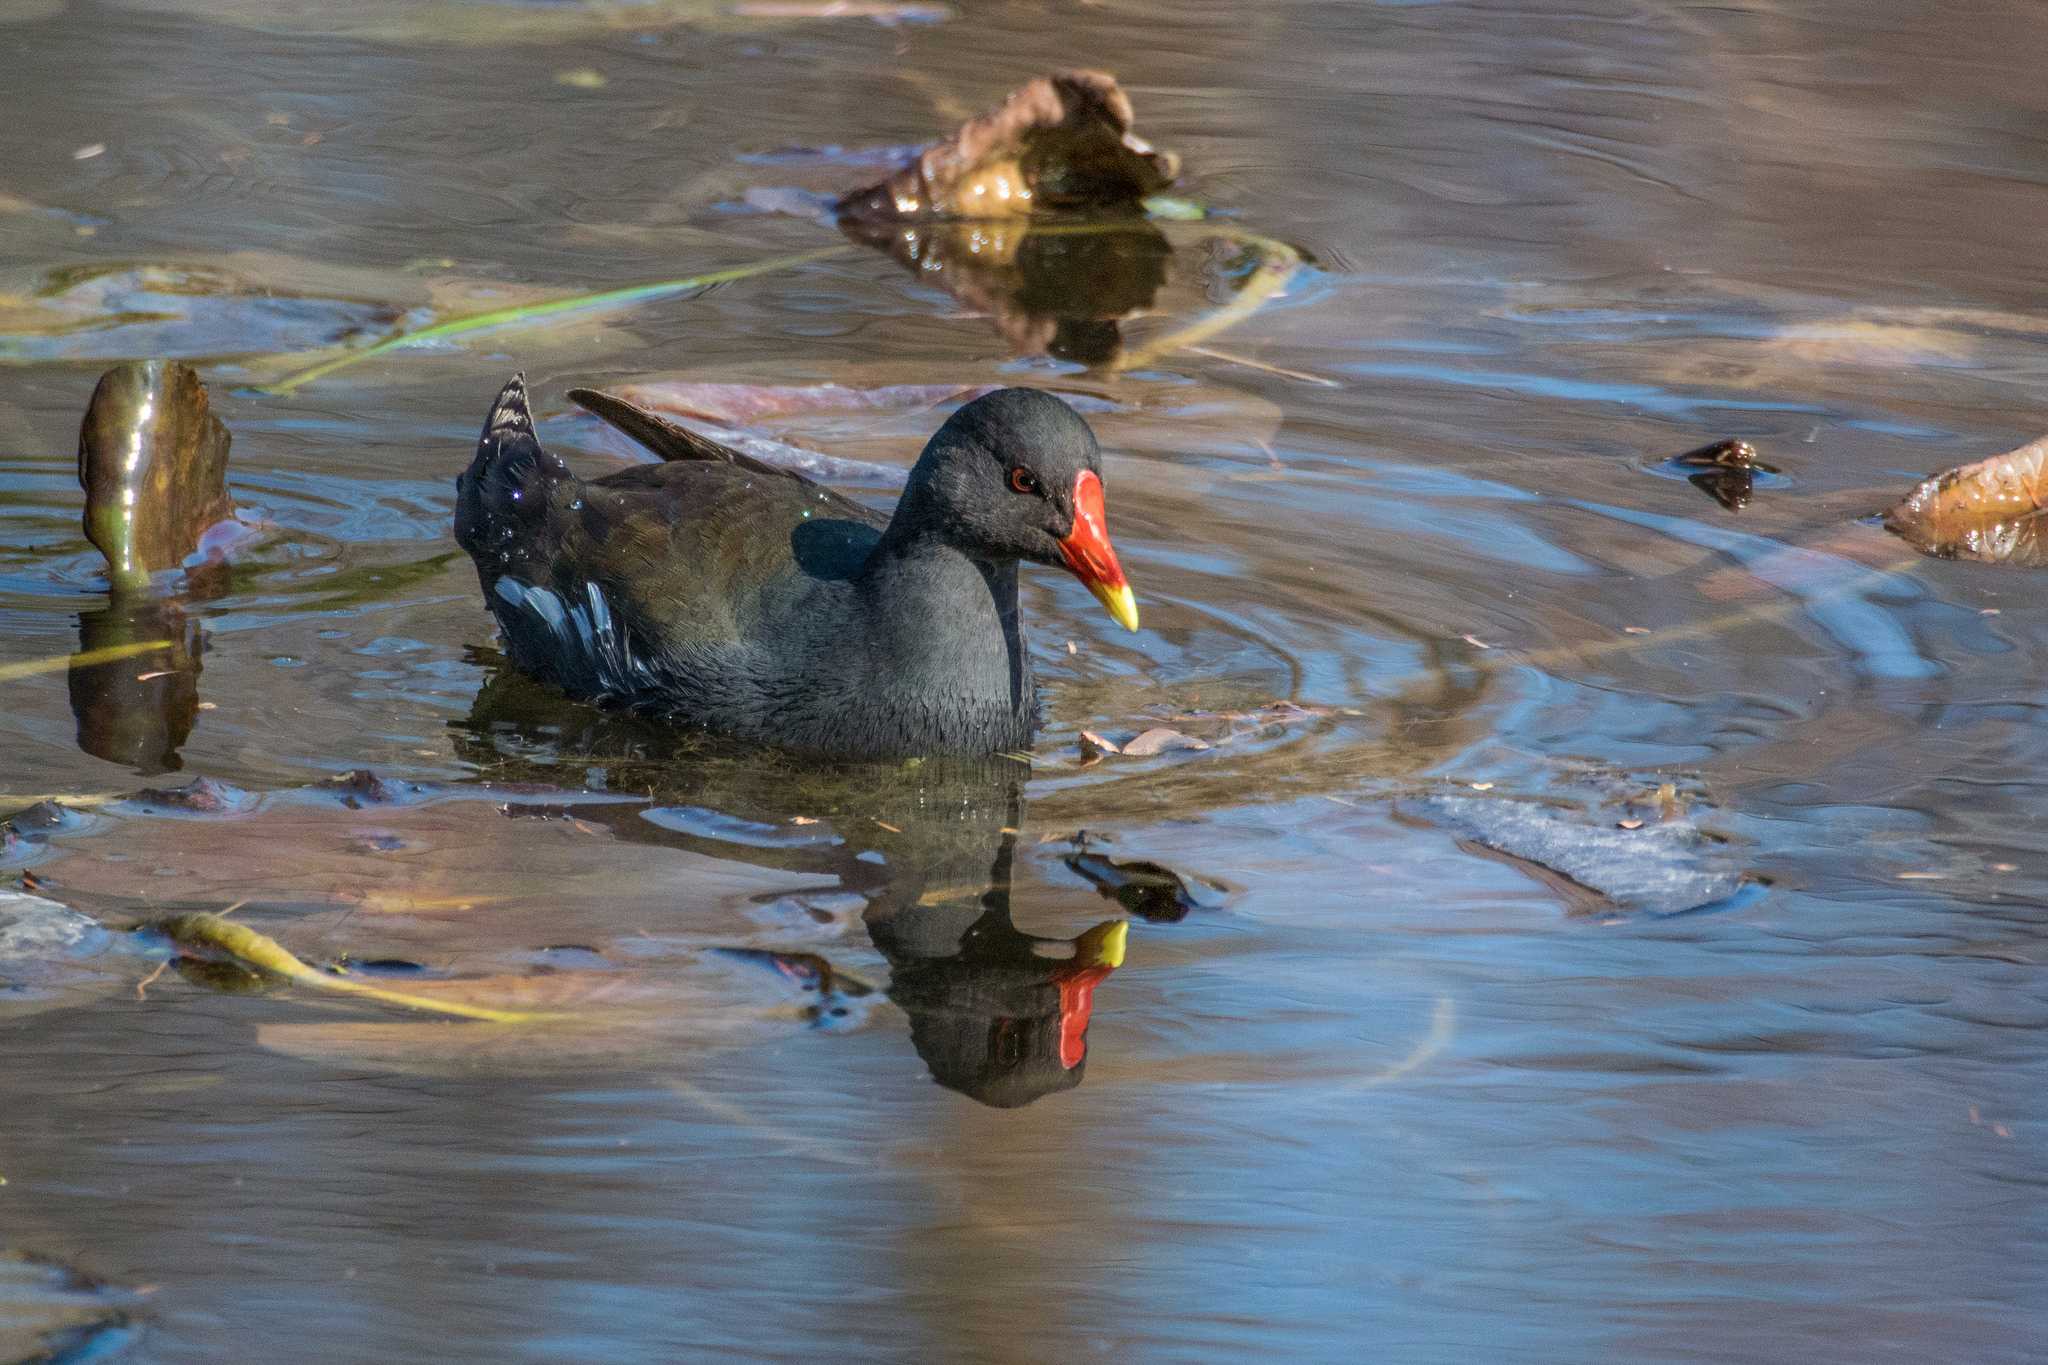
548, 308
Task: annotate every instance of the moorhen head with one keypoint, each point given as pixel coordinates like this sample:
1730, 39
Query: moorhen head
990, 1015
718, 591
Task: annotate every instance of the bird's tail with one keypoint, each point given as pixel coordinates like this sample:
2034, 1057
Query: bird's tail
507, 487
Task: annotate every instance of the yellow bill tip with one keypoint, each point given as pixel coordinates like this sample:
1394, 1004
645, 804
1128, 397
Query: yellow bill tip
1103, 946
1119, 601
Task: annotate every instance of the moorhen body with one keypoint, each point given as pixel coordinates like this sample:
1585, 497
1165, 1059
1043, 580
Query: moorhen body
719, 591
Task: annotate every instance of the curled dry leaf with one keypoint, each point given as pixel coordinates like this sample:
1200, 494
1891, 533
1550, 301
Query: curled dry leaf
1160, 739
1157, 740
1991, 511
1061, 143
1094, 746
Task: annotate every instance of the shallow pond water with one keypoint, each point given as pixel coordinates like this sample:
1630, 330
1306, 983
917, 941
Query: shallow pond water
852, 1071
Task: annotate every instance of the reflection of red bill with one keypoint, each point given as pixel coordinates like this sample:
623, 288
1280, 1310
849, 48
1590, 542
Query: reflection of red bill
1097, 953
1088, 552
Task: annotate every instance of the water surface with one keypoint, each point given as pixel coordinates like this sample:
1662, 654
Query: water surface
1376, 1093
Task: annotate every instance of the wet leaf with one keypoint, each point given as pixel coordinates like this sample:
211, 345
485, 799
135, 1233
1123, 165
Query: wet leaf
1161, 739
467, 894
1597, 849
236, 305
153, 460
48, 951
1094, 746
1993, 511
1060, 143
200, 796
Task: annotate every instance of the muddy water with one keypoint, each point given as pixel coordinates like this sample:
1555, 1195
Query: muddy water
1374, 1092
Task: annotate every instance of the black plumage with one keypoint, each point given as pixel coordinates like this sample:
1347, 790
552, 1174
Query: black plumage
718, 591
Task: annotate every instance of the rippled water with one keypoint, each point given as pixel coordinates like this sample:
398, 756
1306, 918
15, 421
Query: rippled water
1375, 1093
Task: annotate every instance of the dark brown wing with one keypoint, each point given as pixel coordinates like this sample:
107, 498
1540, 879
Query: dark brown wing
670, 440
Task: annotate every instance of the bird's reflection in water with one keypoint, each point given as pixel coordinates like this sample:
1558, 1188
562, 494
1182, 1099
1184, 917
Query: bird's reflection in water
1058, 289
997, 1014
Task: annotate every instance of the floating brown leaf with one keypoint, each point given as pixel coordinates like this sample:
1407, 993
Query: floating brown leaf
1058, 144
1157, 740
1160, 739
1991, 511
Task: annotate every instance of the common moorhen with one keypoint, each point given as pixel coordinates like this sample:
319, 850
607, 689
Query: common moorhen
718, 591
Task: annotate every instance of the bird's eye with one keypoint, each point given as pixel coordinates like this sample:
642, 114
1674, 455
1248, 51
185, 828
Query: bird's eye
1022, 480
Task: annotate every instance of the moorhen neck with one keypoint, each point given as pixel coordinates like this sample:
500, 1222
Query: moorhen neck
717, 591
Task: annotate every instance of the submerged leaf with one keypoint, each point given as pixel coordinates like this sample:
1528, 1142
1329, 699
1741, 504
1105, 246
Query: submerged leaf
1993, 511
1603, 863
1060, 143
44, 947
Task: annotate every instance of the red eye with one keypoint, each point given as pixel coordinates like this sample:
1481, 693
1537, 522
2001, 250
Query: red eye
1022, 480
